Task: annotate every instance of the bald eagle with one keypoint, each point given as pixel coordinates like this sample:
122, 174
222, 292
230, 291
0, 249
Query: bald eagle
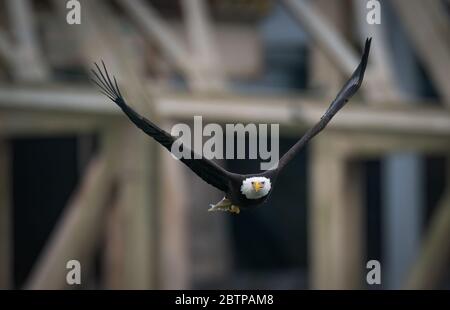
241, 190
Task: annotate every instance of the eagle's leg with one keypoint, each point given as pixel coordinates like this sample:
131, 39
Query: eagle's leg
224, 205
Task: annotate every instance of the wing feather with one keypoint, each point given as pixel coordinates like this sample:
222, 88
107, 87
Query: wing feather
208, 170
347, 91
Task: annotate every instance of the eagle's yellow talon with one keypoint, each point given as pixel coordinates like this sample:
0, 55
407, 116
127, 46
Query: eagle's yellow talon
235, 209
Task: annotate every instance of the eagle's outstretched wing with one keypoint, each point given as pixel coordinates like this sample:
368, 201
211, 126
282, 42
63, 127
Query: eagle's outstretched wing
341, 99
209, 171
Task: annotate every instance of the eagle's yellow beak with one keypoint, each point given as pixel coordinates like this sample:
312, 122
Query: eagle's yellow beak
257, 186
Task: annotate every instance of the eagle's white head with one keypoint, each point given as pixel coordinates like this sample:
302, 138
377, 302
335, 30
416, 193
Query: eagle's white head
255, 187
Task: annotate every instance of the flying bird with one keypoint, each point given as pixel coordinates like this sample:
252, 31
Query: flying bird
241, 190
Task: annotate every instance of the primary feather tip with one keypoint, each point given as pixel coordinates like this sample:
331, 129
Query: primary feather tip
107, 85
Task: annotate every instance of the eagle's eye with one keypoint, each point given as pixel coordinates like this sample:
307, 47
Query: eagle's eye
263, 182
253, 182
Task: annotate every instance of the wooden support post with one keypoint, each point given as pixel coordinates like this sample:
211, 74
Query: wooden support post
114, 247
336, 219
432, 264
174, 257
128, 259
113, 234
402, 195
136, 193
29, 65
5, 217
135, 212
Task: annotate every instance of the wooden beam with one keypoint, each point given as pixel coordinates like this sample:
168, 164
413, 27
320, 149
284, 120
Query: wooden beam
77, 233
204, 53
136, 195
29, 66
336, 216
336, 219
378, 144
20, 122
331, 42
114, 247
135, 216
6, 48
239, 48
5, 216
437, 11
303, 112
382, 84
174, 272
432, 45
324, 75
156, 30
288, 111
62, 98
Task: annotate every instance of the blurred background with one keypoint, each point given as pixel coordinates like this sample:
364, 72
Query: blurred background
79, 182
